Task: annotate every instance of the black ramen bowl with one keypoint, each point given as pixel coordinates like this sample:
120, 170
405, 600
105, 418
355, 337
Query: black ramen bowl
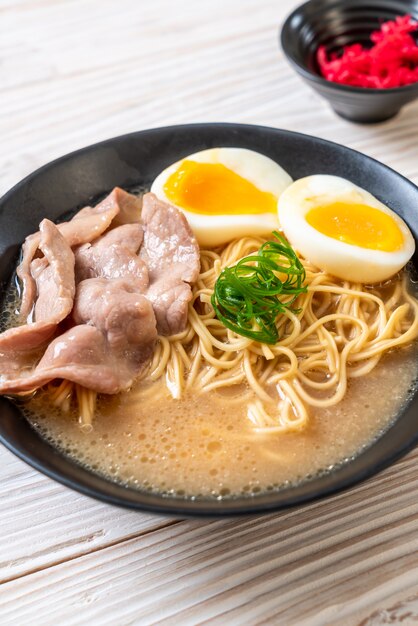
335, 24
131, 160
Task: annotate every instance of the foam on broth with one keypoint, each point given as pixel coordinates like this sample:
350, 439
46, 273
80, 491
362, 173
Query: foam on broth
203, 446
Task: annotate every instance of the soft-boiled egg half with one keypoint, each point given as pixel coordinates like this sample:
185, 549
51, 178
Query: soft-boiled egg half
225, 193
344, 230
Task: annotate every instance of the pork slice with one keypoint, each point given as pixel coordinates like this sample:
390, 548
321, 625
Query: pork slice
130, 207
130, 236
119, 207
114, 256
79, 355
172, 255
23, 271
106, 351
170, 299
55, 282
122, 314
169, 243
56, 289
88, 224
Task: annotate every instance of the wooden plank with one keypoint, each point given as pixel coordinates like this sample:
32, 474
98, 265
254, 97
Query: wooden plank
332, 560
140, 82
43, 523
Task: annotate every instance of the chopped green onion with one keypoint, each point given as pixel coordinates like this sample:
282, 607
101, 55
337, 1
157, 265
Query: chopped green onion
249, 296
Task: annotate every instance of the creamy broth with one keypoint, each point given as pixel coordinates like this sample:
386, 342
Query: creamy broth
203, 446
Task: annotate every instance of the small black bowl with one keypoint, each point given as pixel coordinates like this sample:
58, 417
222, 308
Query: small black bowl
131, 160
335, 24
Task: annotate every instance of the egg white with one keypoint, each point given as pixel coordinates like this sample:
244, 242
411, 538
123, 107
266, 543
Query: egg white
263, 172
343, 260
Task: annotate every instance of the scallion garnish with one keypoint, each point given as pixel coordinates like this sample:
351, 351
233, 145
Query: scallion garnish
249, 296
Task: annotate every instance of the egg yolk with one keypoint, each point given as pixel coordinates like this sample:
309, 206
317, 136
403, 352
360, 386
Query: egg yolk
357, 224
214, 189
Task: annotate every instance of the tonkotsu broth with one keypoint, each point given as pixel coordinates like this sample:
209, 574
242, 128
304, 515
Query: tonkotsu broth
204, 445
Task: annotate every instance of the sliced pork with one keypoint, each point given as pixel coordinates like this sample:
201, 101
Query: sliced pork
172, 255
55, 286
169, 243
109, 347
122, 314
114, 256
124, 281
88, 224
55, 282
170, 299
79, 355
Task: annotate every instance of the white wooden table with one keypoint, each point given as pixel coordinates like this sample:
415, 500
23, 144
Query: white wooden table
73, 72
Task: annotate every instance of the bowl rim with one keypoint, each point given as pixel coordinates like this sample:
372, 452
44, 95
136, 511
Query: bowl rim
207, 508
284, 35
